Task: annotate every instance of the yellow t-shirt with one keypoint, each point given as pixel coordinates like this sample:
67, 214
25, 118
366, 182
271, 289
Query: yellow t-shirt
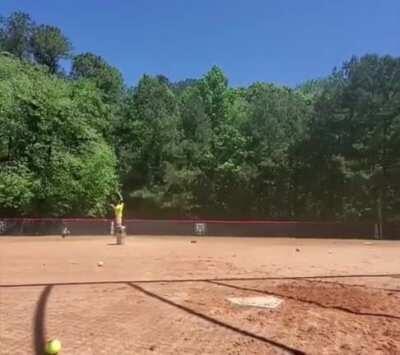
118, 210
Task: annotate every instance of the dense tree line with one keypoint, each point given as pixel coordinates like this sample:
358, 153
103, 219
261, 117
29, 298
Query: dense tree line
328, 149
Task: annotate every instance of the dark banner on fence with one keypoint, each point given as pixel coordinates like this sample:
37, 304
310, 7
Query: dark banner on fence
251, 228
87, 226
54, 226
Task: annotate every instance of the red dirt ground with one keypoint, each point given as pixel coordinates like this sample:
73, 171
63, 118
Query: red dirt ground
166, 295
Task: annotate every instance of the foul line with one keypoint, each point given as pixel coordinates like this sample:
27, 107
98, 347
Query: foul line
77, 283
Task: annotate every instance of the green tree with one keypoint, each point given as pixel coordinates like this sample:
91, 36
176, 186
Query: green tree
106, 77
277, 123
15, 34
49, 45
17, 187
354, 140
213, 89
54, 159
186, 181
213, 174
371, 100
179, 87
148, 137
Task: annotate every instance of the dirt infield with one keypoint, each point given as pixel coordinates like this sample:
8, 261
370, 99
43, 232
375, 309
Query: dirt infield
168, 295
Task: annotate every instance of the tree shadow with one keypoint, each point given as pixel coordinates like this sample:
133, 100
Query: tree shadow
39, 338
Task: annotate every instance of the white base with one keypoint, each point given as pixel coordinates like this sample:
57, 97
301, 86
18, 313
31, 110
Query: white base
263, 302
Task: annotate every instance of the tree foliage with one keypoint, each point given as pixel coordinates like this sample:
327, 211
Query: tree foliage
49, 45
15, 34
355, 137
327, 149
54, 159
107, 78
43, 44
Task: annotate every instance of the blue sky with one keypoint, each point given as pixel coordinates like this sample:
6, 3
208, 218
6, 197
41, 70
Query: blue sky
281, 41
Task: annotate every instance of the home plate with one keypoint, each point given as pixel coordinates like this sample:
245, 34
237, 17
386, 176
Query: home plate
264, 302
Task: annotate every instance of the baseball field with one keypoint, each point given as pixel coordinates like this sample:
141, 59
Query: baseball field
175, 295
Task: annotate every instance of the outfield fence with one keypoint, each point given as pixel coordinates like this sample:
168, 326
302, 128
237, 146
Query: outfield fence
89, 226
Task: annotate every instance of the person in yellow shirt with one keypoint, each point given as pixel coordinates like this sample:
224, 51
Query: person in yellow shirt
118, 212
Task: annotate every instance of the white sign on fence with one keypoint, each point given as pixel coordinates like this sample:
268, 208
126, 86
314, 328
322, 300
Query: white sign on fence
200, 228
